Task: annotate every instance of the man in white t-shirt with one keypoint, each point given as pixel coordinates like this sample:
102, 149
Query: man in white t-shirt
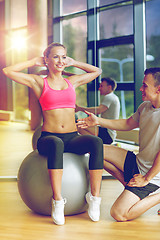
140, 174
109, 109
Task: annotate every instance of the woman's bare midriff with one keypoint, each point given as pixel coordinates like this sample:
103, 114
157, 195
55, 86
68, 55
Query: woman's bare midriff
59, 120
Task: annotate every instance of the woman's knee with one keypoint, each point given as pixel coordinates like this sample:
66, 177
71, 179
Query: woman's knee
45, 143
55, 153
96, 155
92, 141
53, 148
96, 147
97, 142
55, 142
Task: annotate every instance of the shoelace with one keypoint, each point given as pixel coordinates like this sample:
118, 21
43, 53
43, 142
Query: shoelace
95, 202
60, 202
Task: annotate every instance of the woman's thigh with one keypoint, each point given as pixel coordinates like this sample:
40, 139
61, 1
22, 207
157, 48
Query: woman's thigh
88, 144
82, 144
50, 143
53, 148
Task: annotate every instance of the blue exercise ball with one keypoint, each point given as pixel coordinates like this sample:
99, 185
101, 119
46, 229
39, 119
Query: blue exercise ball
35, 188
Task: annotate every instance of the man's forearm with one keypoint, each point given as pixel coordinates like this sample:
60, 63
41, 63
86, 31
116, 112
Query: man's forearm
115, 124
93, 110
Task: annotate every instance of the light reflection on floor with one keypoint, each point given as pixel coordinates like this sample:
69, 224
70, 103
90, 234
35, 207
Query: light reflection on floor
15, 144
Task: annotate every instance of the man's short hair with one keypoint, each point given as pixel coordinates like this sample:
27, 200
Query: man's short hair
110, 81
155, 73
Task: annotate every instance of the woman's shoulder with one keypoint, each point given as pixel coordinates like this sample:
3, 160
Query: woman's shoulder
39, 81
68, 81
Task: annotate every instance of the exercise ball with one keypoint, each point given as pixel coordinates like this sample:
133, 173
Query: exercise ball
35, 188
36, 135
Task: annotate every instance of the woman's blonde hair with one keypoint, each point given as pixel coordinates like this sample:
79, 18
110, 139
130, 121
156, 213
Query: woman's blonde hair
50, 46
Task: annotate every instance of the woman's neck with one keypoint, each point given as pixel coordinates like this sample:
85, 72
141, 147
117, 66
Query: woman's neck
55, 76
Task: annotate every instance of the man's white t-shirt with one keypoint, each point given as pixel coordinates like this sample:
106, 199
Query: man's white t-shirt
111, 101
148, 118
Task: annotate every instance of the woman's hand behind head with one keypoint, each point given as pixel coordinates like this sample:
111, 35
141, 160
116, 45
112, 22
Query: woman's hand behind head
69, 62
39, 61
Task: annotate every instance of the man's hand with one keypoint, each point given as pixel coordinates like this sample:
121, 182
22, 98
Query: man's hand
90, 121
138, 180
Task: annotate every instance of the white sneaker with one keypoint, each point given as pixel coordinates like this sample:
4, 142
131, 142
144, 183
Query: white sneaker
94, 206
58, 211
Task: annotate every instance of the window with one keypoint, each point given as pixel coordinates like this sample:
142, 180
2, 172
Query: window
70, 6
18, 13
116, 50
16, 51
112, 38
104, 2
75, 39
117, 63
153, 33
116, 22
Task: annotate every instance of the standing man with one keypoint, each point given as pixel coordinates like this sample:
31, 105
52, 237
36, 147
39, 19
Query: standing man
109, 109
140, 174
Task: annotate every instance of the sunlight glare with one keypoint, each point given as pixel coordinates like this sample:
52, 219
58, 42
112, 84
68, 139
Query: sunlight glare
18, 41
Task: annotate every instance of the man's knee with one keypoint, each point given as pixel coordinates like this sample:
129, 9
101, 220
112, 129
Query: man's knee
118, 215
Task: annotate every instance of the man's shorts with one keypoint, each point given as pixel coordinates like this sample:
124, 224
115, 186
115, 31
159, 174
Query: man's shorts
131, 168
104, 135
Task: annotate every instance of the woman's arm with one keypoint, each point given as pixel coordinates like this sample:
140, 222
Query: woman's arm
14, 71
92, 72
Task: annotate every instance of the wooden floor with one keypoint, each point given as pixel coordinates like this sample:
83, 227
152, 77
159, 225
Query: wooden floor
15, 144
17, 222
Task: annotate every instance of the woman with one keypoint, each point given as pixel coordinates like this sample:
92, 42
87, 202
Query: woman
59, 132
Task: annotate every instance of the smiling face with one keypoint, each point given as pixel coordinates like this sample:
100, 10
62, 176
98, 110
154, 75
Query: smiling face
56, 59
150, 92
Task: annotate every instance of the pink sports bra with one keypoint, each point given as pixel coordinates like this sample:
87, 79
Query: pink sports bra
54, 99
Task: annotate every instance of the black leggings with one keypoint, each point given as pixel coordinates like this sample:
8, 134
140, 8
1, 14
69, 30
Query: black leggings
53, 145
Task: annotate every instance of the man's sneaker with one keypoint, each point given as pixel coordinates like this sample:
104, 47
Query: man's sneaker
94, 206
58, 211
